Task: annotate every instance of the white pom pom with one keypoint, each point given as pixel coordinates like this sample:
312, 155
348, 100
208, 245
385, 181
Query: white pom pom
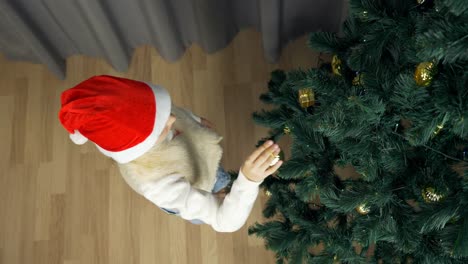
78, 138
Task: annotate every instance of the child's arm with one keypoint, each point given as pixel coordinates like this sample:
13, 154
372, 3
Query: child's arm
187, 112
176, 194
204, 122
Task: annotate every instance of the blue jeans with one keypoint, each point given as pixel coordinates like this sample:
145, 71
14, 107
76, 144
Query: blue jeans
222, 180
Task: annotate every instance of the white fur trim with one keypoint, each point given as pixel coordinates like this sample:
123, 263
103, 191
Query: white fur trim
78, 138
163, 111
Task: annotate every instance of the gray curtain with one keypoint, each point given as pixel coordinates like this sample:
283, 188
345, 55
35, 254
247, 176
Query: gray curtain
48, 31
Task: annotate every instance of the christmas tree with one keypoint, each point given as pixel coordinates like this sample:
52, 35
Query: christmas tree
392, 107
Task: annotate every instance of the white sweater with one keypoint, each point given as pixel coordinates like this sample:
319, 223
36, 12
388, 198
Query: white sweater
175, 193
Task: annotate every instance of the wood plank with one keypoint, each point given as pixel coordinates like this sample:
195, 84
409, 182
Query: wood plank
62, 203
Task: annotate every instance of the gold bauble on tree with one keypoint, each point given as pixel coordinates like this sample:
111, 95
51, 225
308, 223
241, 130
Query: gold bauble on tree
268, 193
358, 79
336, 65
306, 97
363, 209
430, 195
287, 130
364, 14
276, 158
438, 129
424, 73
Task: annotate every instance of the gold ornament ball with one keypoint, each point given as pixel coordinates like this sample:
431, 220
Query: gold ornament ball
336, 65
454, 219
363, 209
275, 160
424, 73
420, 1
336, 260
306, 97
438, 129
430, 195
364, 15
287, 130
358, 79
268, 193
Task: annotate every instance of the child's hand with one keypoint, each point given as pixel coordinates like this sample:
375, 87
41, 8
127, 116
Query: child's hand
257, 166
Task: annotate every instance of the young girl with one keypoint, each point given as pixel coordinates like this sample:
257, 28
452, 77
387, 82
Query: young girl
165, 153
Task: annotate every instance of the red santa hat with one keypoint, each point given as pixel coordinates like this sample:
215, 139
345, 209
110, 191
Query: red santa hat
123, 117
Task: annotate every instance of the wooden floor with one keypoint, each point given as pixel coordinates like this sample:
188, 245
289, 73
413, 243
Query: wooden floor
62, 203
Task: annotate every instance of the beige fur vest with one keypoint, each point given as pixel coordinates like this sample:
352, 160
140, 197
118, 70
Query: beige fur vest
195, 154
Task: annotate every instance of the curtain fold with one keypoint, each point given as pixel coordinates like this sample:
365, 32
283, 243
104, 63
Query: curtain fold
49, 31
